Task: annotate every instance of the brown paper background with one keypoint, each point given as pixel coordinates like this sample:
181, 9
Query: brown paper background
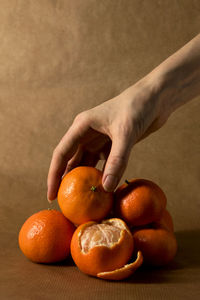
58, 58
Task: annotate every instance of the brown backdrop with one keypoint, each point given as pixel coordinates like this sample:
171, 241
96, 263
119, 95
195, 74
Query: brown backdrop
58, 58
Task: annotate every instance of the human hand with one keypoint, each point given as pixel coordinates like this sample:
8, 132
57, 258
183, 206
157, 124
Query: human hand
107, 131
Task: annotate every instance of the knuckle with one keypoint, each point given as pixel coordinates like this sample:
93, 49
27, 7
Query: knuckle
78, 117
81, 117
117, 160
125, 129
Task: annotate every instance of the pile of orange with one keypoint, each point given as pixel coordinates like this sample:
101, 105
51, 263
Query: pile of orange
109, 235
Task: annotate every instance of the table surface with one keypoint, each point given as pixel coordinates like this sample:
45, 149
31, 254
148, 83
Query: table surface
22, 279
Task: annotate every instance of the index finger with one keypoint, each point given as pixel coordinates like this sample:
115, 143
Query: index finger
62, 153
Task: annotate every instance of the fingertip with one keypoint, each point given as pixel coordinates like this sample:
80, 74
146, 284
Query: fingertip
110, 182
51, 193
49, 200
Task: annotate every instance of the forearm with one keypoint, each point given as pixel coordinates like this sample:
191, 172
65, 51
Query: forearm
177, 79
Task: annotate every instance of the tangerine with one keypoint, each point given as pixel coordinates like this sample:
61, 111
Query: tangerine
158, 245
45, 236
81, 196
165, 221
139, 202
101, 249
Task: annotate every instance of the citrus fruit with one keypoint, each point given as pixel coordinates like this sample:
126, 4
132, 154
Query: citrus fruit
165, 221
81, 196
139, 202
158, 245
103, 247
45, 236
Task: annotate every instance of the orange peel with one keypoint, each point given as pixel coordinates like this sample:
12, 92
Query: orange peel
123, 272
100, 248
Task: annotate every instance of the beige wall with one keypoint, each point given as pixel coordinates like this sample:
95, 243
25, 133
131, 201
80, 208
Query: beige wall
58, 58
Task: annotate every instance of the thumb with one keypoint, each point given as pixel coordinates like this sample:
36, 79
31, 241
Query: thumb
116, 164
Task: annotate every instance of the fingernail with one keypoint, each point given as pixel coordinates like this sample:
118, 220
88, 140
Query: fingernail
110, 183
50, 201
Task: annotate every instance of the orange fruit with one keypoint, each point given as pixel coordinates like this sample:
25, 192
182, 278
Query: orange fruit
81, 196
45, 236
99, 249
165, 221
158, 245
139, 202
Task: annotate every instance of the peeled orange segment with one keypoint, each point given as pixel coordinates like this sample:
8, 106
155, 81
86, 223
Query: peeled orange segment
99, 235
125, 271
106, 234
101, 247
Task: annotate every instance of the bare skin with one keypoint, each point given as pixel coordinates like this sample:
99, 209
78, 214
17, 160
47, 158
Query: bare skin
110, 130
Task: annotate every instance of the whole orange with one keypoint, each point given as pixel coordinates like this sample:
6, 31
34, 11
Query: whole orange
104, 247
81, 196
45, 236
158, 245
139, 202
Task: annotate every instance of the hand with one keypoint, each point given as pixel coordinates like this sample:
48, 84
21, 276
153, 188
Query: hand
108, 132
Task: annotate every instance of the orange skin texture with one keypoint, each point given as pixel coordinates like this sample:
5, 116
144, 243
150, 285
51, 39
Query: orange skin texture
101, 258
140, 202
158, 245
165, 221
123, 272
78, 202
45, 237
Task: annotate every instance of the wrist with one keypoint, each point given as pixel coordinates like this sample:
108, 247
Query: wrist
177, 78
165, 89
156, 86
146, 98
